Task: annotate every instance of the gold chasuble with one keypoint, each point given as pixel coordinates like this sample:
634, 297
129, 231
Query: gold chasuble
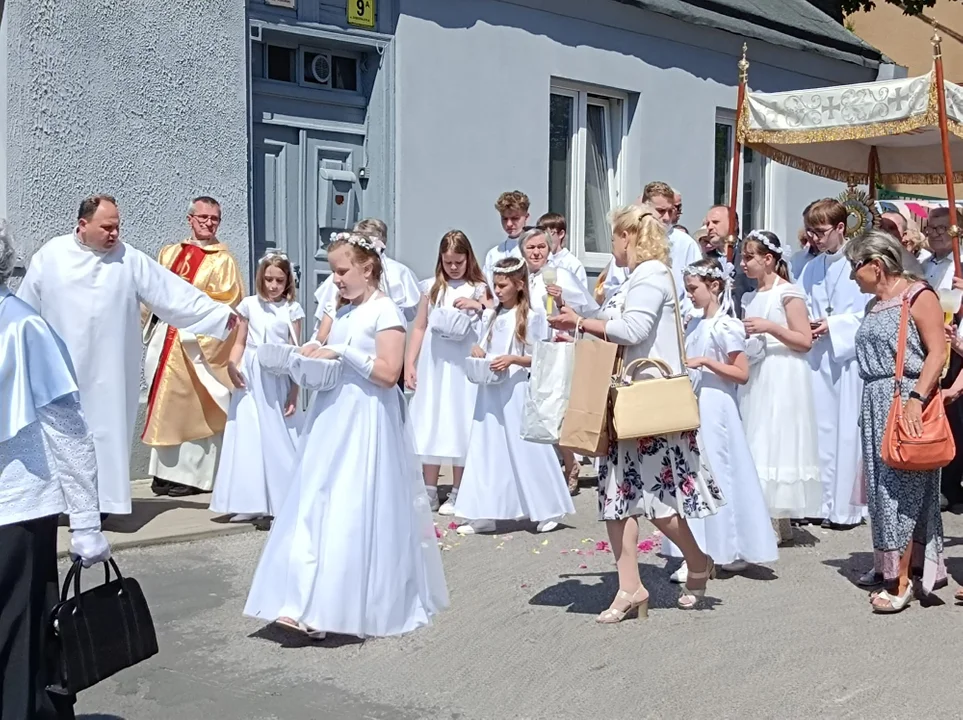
189, 384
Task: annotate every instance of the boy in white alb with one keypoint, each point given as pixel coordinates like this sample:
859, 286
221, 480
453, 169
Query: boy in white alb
513, 207
556, 227
836, 309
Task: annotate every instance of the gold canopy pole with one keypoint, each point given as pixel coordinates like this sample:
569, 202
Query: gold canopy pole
731, 238
945, 141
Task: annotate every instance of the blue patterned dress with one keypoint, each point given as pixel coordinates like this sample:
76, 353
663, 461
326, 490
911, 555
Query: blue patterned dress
904, 505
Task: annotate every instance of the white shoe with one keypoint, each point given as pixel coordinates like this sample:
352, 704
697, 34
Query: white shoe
735, 566
680, 575
547, 525
448, 508
244, 517
476, 527
433, 499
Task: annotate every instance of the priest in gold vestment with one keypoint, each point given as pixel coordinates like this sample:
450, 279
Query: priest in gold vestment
188, 385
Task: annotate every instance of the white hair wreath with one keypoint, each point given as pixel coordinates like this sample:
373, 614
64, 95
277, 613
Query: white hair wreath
361, 241
726, 304
508, 269
705, 271
760, 237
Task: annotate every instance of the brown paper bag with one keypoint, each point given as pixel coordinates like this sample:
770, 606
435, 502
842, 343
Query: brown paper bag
585, 426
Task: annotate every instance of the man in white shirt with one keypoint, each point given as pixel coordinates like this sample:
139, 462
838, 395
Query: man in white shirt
513, 208
554, 224
683, 250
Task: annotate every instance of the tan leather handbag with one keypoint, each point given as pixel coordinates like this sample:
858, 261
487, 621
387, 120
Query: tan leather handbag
935, 448
659, 405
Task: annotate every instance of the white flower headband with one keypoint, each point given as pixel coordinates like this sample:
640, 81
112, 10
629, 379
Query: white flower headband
760, 237
508, 269
272, 252
361, 241
726, 304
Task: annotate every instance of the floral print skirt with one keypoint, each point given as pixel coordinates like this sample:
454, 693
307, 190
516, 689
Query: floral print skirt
657, 477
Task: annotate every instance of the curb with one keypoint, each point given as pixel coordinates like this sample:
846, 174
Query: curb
122, 543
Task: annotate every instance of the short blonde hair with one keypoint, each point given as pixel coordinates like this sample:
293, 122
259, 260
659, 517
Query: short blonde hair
647, 238
373, 228
914, 240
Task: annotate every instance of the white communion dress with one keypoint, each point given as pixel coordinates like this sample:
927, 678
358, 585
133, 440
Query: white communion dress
260, 444
353, 550
741, 529
779, 414
507, 478
441, 410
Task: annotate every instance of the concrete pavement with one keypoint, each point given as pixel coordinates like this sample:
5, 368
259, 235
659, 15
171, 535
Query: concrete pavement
796, 639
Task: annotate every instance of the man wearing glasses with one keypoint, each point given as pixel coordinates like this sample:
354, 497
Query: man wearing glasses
836, 309
188, 393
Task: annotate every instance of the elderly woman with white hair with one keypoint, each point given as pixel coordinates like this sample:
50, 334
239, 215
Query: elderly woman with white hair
904, 505
47, 467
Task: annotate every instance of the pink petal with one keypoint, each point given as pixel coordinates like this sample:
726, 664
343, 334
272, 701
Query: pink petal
564, 552
438, 533
452, 526
602, 546
582, 567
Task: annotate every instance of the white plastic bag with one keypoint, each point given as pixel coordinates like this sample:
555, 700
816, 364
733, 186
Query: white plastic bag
549, 386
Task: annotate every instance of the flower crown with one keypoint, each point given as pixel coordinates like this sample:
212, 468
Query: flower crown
361, 241
760, 237
509, 269
705, 271
272, 253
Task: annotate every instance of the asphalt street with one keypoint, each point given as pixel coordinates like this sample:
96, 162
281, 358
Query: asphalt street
792, 640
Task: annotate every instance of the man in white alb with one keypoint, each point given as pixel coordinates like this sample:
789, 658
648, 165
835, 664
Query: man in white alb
836, 309
683, 250
88, 285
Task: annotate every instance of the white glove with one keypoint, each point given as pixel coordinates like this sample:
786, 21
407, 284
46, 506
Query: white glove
90, 546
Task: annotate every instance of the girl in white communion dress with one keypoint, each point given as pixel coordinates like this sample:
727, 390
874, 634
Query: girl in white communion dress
353, 550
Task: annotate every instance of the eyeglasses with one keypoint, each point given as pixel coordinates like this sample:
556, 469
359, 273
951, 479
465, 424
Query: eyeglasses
213, 219
934, 230
818, 232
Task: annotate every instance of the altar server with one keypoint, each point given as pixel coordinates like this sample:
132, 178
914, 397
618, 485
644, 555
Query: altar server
836, 309
88, 286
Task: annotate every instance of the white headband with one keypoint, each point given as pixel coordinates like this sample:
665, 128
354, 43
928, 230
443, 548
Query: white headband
508, 269
760, 237
270, 253
726, 304
361, 241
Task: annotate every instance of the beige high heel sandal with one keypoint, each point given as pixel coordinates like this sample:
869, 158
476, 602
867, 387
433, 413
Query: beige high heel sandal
638, 607
689, 598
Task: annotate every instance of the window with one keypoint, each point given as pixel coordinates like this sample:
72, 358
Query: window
311, 67
586, 136
753, 208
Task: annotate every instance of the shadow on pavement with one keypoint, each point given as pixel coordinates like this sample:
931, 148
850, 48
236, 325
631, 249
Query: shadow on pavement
851, 569
98, 716
591, 599
291, 639
144, 511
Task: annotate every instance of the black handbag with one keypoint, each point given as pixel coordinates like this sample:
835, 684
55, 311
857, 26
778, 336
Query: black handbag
101, 631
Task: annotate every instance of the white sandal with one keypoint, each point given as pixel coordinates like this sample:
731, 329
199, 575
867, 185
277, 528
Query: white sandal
690, 598
897, 603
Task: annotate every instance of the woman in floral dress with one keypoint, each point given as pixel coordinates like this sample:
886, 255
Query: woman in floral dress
904, 505
660, 478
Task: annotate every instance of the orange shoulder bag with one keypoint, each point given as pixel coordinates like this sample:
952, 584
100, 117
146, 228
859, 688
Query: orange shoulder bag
935, 448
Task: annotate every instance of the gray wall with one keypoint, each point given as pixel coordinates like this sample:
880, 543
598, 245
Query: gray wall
472, 94
131, 99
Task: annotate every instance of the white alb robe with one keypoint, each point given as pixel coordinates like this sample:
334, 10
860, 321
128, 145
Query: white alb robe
92, 300
399, 283
837, 388
565, 258
507, 248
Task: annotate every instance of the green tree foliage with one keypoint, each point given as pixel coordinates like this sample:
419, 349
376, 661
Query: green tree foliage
910, 7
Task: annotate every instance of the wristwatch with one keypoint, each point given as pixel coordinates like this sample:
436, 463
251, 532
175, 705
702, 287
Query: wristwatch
916, 396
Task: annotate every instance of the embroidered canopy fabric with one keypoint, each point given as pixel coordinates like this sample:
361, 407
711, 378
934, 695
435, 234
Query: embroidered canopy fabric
833, 131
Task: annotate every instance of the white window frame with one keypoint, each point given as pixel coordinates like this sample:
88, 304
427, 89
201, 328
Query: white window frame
617, 138
728, 117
